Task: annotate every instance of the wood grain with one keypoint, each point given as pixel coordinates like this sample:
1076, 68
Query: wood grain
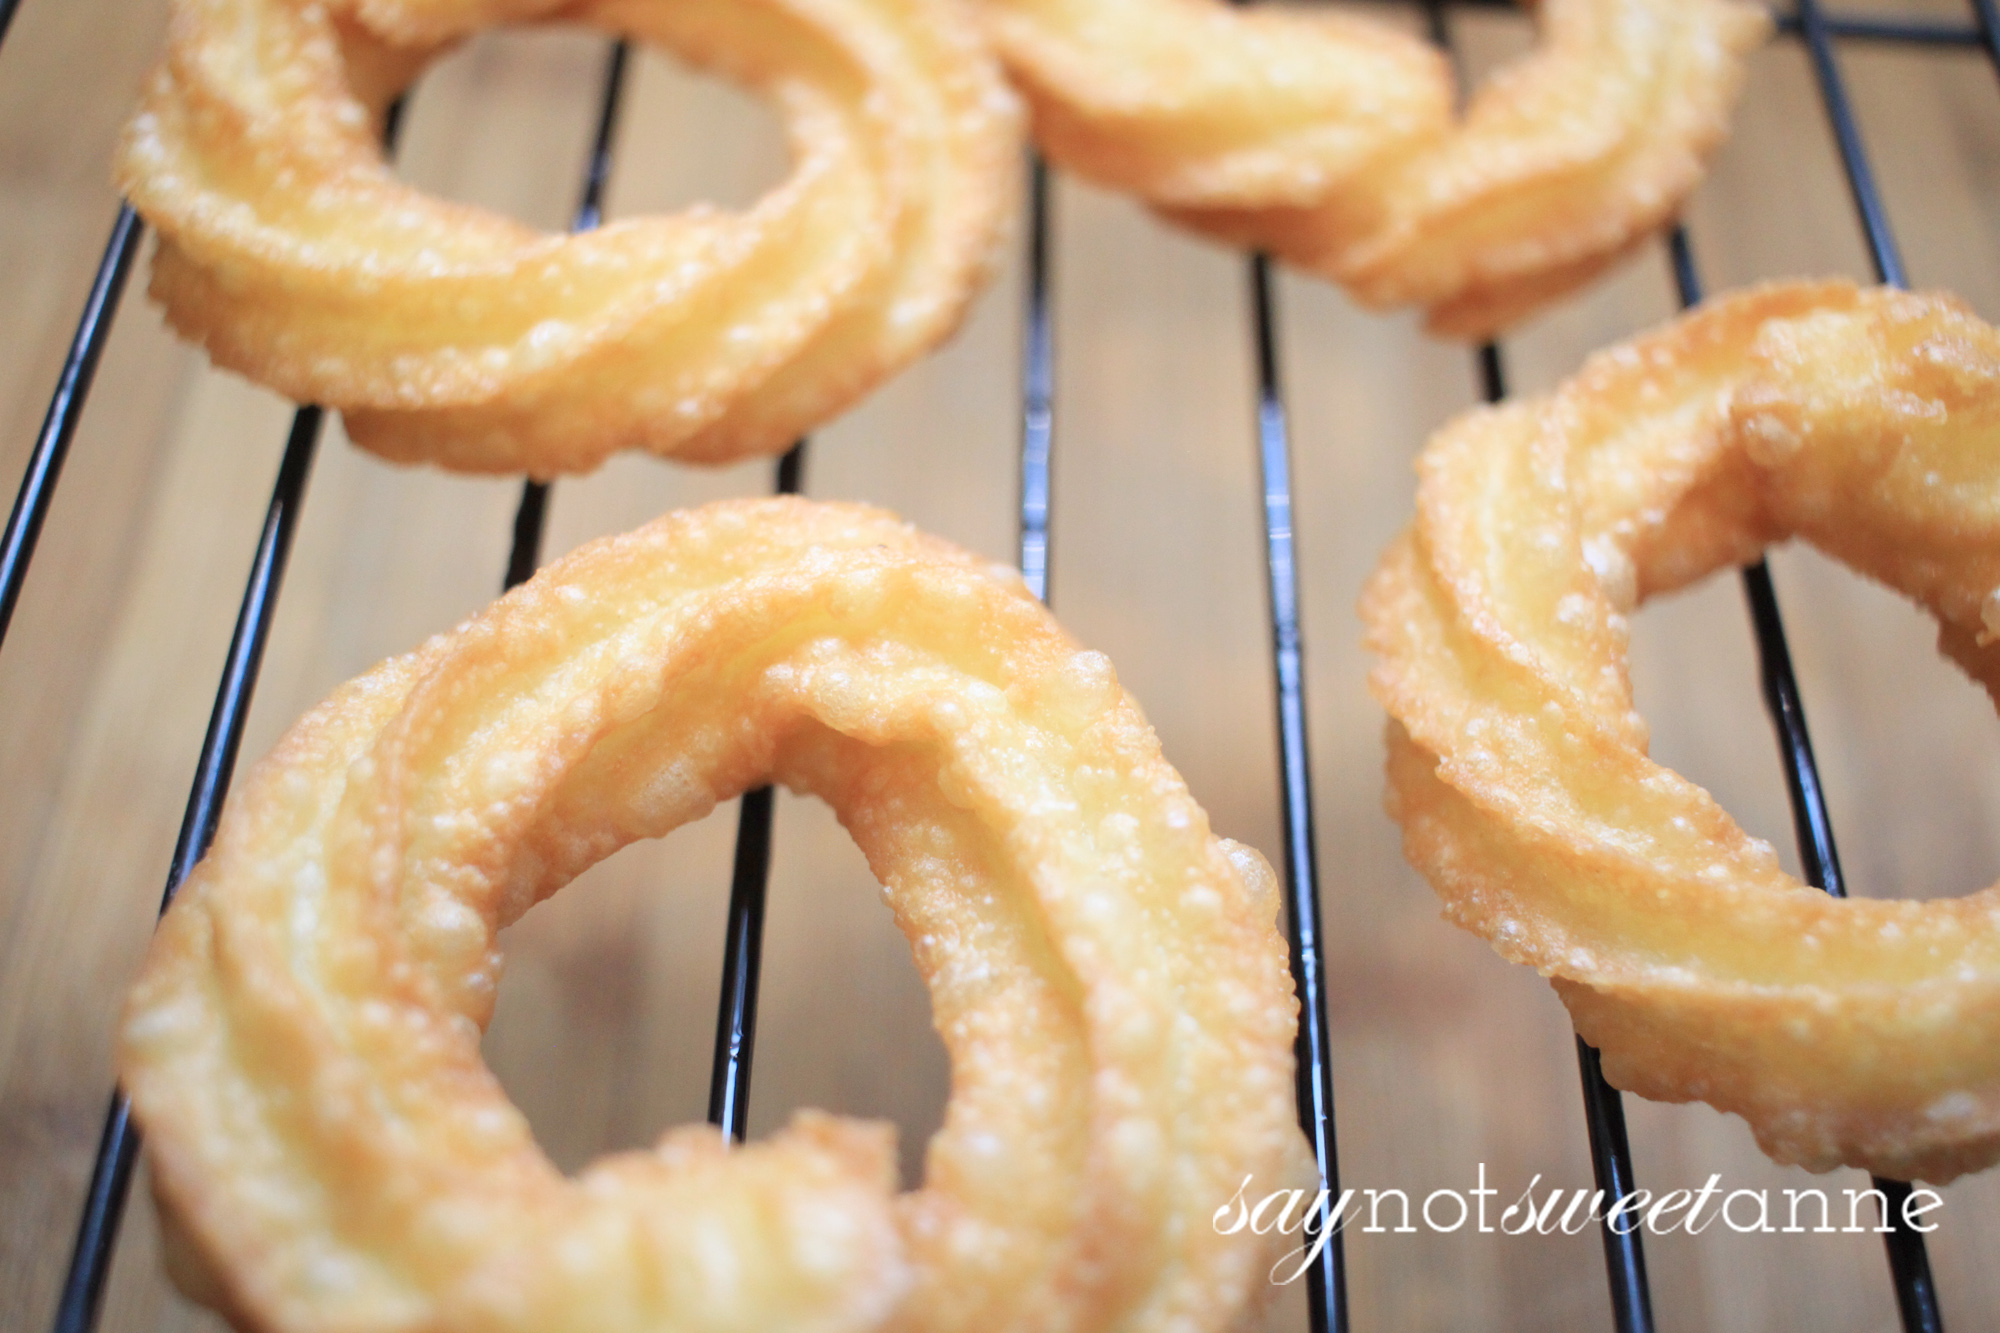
1446, 1058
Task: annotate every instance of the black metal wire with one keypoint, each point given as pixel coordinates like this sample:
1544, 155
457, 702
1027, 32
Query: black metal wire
1986, 17
93, 330
1312, 1060
1909, 1262
743, 945
82, 1297
1811, 824
1909, 1259
118, 1147
531, 515
1611, 1160
31, 503
103, 1209
597, 170
1897, 31
1603, 1105
1038, 380
1326, 1284
791, 478
1861, 27
1492, 374
1858, 27
742, 963
1853, 153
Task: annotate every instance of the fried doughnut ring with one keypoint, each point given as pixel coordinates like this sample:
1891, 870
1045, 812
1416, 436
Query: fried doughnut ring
1332, 141
303, 1044
450, 335
1864, 1032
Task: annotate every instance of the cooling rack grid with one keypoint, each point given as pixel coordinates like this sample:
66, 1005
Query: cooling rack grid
1630, 1300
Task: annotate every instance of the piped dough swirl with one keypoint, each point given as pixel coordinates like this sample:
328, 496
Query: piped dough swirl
1858, 1031
451, 335
1331, 139
302, 1046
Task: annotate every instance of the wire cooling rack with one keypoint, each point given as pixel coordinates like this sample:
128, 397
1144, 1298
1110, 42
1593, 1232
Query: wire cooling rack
1625, 1265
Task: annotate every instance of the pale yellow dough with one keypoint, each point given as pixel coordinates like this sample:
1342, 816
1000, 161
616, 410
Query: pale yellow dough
450, 335
1331, 138
302, 1047
1864, 1031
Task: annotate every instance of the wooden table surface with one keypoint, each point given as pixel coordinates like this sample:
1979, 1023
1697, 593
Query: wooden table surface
1446, 1058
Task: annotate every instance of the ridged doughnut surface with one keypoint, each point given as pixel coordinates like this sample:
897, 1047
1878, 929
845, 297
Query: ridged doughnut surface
1331, 138
1863, 1031
302, 1047
450, 335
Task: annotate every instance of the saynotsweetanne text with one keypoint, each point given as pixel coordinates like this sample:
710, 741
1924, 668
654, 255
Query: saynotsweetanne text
1314, 1216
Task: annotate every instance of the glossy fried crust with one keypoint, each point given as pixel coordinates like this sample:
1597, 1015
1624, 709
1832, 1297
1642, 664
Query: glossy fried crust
1863, 1032
302, 1047
450, 335
1331, 139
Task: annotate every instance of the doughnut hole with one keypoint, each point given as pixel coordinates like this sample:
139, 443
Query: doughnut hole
1874, 701
605, 1027
534, 93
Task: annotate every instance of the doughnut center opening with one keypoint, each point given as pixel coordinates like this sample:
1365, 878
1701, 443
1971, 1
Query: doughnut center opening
686, 137
506, 122
604, 1031
1908, 746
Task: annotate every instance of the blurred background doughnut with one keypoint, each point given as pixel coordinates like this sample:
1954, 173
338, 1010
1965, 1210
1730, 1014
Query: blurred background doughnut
1331, 139
451, 335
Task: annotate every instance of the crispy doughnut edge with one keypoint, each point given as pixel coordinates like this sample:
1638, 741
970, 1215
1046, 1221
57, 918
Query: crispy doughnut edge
1105, 973
1860, 1032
